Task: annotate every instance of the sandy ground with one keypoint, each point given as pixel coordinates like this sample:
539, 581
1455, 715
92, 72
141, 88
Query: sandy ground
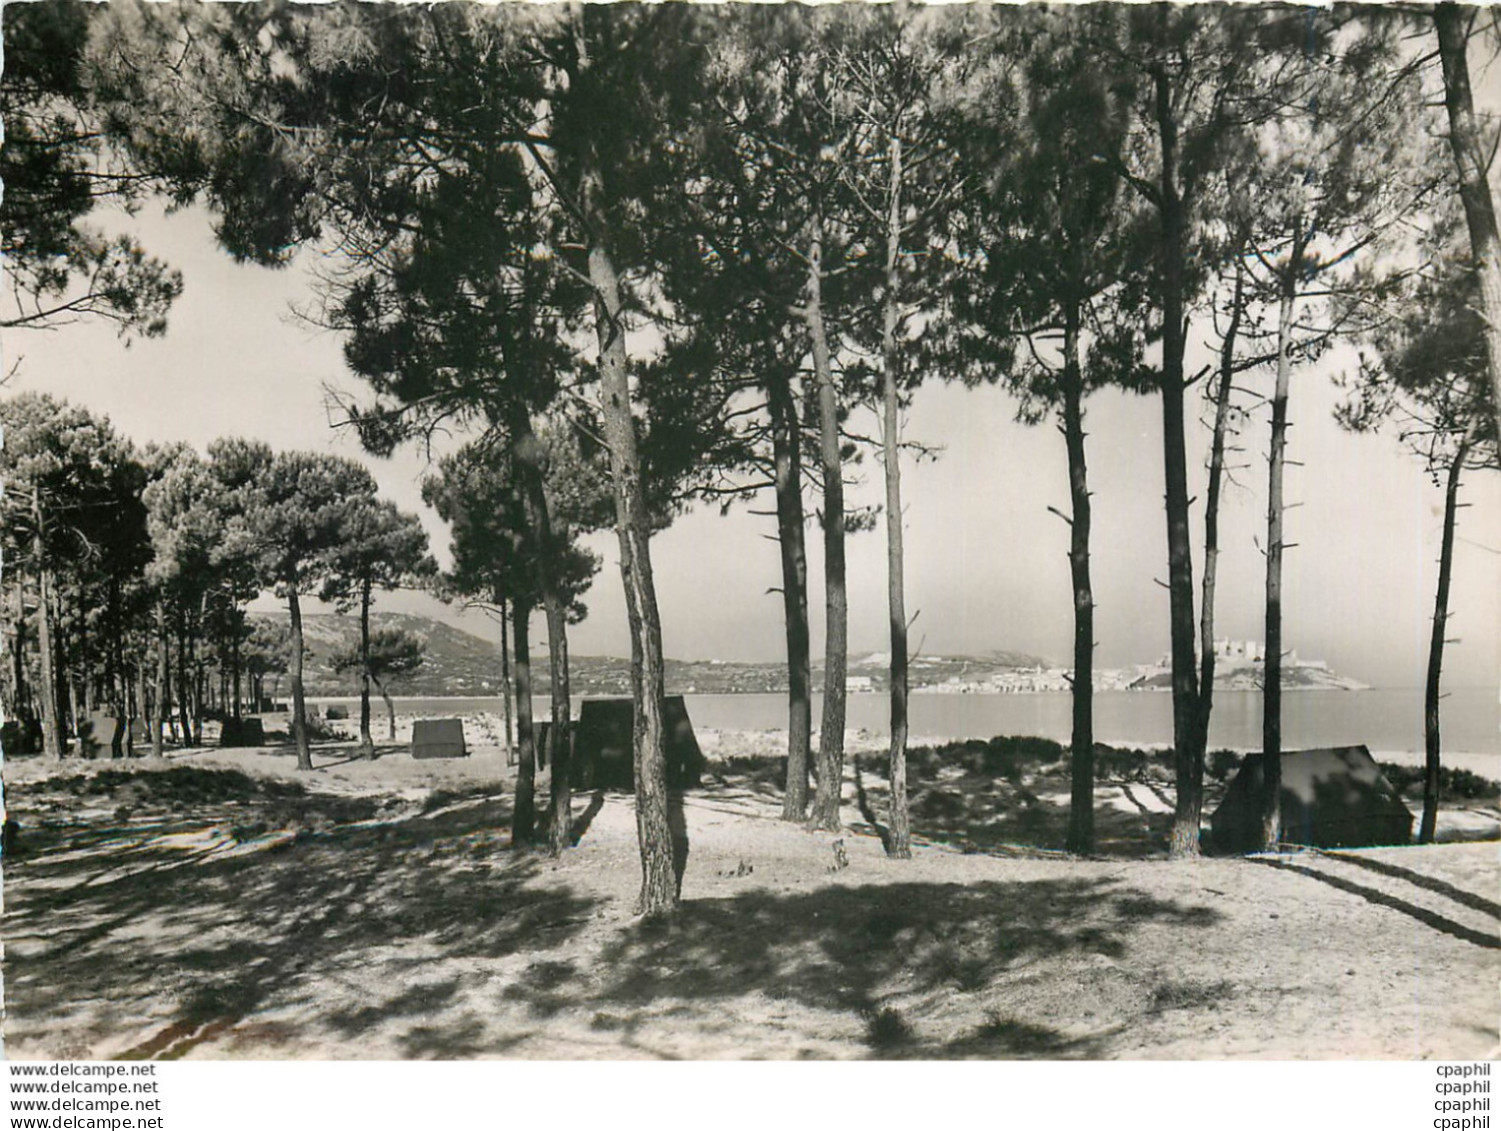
221, 905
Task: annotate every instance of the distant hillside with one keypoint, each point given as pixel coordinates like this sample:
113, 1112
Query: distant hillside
457, 662
460, 663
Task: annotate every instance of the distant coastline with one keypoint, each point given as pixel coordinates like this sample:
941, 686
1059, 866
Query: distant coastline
1386, 719
461, 664
346, 695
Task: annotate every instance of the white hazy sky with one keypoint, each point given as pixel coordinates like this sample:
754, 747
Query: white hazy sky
986, 564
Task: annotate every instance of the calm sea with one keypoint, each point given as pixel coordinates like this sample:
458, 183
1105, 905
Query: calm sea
1384, 720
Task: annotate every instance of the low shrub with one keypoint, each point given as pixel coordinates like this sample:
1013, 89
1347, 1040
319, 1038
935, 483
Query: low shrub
887, 1029
1463, 783
753, 764
924, 763
939, 805
318, 730
969, 755
1453, 783
1111, 764
1006, 756
1189, 994
1221, 764
1129, 764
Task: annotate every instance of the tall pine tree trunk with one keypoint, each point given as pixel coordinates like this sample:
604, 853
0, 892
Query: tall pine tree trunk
66, 692
528, 453
52, 737
659, 872
132, 712
1429, 824
659, 892
195, 658
1189, 763
299, 704
659, 881
786, 442
505, 677
18, 648
1222, 393
159, 694
174, 734
70, 712
1081, 796
83, 694
114, 666
367, 741
524, 822
1271, 681
183, 718
236, 706
836, 608
390, 708
560, 733
899, 837
1472, 156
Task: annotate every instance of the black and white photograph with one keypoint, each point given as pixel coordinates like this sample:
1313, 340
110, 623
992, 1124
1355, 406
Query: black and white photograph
750, 532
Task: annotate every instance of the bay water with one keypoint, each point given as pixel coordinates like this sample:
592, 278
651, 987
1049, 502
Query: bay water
1385, 720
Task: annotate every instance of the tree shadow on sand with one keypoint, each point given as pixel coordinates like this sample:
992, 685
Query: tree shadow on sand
231, 897
882, 956
188, 908
998, 802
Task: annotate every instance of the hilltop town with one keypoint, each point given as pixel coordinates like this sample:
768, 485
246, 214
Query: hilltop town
1239, 666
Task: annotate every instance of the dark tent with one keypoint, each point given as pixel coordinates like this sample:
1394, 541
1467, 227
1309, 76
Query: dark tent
438, 738
100, 735
249, 731
602, 745
20, 737
1330, 799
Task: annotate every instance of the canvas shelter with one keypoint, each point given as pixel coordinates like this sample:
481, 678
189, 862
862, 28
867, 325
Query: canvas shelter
438, 738
101, 735
249, 731
1333, 798
603, 755
22, 736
